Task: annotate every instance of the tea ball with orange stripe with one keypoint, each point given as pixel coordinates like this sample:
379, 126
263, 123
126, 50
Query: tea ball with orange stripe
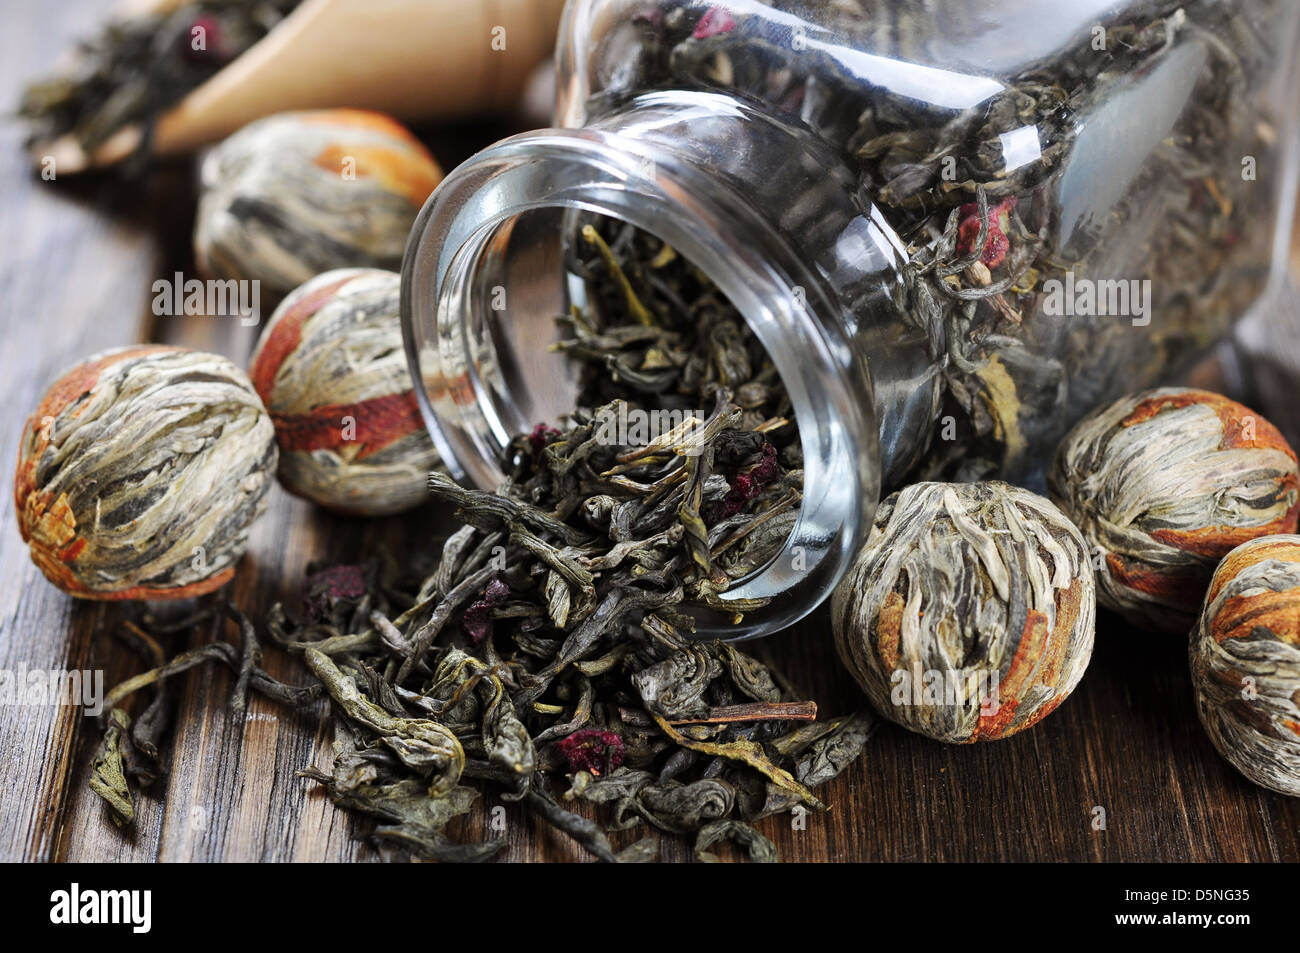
969, 615
1245, 657
296, 194
331, 369
1163, 484
140, 473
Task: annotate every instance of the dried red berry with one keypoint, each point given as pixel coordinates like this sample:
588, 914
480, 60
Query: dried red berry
477, 620
593, 751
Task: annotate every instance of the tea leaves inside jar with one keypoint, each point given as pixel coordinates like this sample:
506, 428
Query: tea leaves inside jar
990, 235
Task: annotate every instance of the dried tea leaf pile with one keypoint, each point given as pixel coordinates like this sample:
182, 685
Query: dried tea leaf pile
550, 653
138, 67
473, 682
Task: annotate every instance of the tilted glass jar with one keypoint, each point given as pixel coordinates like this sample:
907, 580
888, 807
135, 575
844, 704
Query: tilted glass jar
955, 225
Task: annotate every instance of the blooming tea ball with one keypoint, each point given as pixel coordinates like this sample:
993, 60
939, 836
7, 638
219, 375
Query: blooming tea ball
331, 369
140, 473
1163, 484
296, 194
969, 615
1245, 656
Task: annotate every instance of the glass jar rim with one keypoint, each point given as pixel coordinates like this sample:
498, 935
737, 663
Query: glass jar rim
782, 299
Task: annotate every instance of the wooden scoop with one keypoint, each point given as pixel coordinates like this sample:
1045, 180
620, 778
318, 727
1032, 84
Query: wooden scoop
414, 59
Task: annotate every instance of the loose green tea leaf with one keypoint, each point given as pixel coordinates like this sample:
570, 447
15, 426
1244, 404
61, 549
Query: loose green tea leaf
414, 815
107, 778
423, 745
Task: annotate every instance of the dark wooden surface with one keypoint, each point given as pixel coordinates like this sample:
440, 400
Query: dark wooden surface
76, 265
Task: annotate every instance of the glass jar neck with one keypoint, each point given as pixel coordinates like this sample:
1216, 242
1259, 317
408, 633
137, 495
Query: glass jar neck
484, 279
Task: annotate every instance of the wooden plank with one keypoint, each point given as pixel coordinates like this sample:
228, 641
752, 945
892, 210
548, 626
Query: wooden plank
70, 284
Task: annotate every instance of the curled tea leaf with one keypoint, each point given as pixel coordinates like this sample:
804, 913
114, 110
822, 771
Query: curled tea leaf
759, 848
107, 778
422, 744
675, 687
679, 808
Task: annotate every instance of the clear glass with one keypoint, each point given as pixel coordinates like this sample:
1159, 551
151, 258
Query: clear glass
820, 162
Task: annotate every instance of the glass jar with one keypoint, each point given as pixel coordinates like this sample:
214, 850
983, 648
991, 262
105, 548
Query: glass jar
955, 225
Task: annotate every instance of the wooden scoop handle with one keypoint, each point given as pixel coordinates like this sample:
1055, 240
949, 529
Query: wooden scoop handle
414, 59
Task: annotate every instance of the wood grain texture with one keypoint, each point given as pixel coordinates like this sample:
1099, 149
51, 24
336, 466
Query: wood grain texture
75, 274
70, 284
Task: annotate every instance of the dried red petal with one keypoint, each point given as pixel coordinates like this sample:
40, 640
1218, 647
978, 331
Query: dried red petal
1001, 213
322, 591
715, 22
542, 435
766, 471
997, 245
477, 620
995, 249
380, 422
746, 485
593, 751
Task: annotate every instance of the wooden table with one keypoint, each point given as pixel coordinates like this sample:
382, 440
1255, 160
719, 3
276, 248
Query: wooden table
75, 274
